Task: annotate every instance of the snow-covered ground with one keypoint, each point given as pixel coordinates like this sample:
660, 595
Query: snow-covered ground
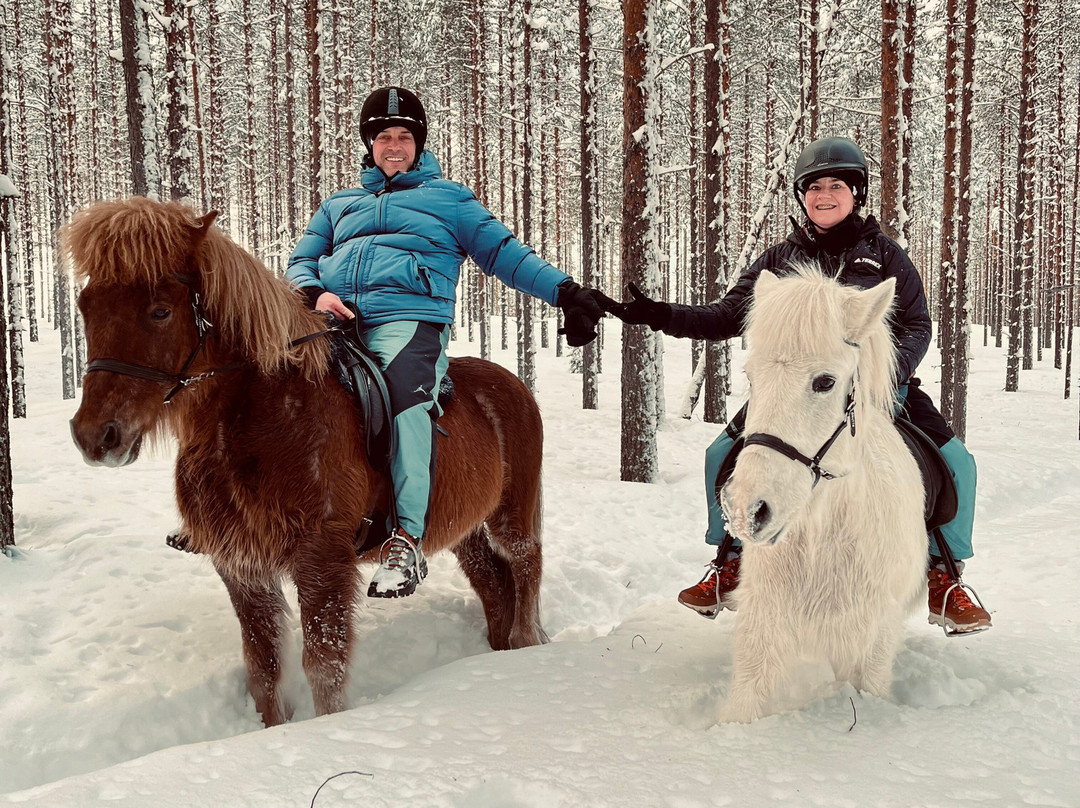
121, 679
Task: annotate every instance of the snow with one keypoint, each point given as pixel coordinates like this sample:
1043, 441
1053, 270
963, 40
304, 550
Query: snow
122, 678
7, 187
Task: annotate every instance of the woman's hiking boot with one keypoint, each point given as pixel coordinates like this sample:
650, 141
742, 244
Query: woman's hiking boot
951, 607
712, 594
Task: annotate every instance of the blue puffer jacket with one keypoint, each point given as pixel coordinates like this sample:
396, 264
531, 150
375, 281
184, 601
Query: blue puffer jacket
394, 248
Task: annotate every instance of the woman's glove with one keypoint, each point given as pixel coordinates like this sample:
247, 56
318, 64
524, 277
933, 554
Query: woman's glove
643, 310
582, 310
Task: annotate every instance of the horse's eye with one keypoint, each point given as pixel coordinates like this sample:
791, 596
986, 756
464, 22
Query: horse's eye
823, 384
160, 313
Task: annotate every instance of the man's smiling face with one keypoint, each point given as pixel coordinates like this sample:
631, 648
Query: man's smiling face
394, 150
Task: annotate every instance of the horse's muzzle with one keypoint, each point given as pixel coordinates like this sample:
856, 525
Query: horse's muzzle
106, 444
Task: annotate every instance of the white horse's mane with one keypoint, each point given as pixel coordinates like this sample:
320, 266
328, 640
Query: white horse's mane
803, 316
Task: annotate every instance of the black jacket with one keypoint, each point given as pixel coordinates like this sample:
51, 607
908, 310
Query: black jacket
858, 254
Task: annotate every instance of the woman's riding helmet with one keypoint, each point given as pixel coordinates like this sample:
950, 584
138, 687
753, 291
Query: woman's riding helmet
832, 157
393, 106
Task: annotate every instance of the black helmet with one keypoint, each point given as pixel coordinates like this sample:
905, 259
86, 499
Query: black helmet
393, 106
832, 157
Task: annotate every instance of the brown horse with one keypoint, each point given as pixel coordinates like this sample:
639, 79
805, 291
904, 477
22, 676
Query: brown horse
189, 334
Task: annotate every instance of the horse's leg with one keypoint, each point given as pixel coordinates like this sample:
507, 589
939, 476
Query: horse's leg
261, 610
491, 579
761, 646
326, 587
516, 538
873, 673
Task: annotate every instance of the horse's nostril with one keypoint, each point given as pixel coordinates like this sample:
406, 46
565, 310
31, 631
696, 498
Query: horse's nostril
760, 514
110, 437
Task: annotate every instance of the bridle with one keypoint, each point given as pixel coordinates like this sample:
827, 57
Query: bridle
812, 463
182, 380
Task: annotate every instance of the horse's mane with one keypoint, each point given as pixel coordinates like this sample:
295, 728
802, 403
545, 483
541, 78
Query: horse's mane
140, 241
807, 302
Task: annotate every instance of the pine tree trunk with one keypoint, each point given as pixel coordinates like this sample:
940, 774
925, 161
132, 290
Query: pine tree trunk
527, 348
590, 201
11, 312
179, 108
717, 192
138, 81
311, 21
639, 461
891, 116
1020, 310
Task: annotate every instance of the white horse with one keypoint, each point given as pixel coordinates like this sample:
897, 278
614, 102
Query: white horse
825, 495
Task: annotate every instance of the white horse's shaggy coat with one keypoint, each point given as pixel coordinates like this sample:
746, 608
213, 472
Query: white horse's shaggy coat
828, 570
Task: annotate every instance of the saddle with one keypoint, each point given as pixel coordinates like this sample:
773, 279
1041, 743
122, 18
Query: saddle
360, 374
940, 500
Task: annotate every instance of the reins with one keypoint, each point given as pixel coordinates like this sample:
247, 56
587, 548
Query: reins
181, 380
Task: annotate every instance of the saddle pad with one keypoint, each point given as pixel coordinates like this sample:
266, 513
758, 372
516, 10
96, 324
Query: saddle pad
941, 501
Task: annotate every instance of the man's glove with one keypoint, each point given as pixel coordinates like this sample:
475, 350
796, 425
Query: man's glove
643, 310
582, 310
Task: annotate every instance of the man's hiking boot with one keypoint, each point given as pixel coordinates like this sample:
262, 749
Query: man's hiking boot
951, 607
712, 594
402, 567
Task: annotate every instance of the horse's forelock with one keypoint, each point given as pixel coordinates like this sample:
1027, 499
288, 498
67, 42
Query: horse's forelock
135, 240
140, 241
806, 303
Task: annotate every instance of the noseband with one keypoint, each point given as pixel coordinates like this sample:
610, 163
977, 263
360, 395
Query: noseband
178, 380
812, 463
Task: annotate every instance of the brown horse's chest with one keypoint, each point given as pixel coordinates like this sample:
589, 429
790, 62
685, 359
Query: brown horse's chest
248, 489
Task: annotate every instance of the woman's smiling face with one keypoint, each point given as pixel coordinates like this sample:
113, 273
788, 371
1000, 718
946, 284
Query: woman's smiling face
828, 202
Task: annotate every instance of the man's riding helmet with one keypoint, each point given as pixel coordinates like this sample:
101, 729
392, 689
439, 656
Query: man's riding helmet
393, 106
832, 157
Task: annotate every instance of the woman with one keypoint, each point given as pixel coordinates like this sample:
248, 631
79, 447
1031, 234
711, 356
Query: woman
830, 186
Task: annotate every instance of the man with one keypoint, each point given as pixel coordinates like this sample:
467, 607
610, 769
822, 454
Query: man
393, 248
830, 186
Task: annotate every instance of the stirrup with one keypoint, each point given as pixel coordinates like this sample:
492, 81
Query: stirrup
712, 570
970, 591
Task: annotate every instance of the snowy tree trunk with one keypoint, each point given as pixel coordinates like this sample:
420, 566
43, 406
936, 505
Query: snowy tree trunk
527, 349
312, 28
7, 232
639, 462
1020, 314
215, 114
196, 109
590, 202
139, 84
178, 126
252, 207
23, 161
476, 47
12, 313
292, 213
717, 194
892, 122
64, 146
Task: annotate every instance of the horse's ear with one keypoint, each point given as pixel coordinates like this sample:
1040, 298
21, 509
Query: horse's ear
205, 222
765, 280
865, 308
